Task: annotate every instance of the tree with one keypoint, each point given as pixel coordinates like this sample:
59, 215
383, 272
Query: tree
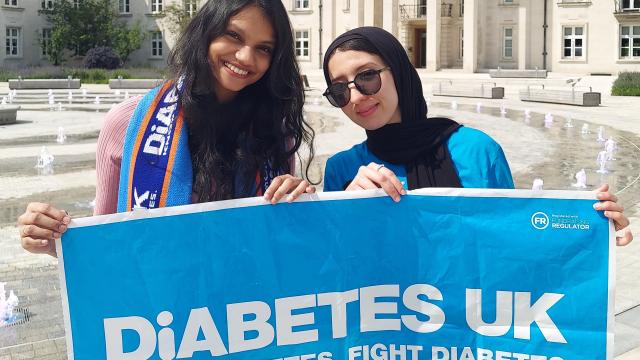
127, 40
90, 24
176, 18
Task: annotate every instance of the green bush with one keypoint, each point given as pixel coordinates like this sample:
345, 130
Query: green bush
87, 76
627, 84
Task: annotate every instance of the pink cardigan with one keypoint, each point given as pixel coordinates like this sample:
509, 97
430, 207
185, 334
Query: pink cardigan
109, 155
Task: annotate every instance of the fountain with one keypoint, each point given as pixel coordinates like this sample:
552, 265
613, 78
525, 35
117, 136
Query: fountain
6, 306
70, 97
527, 113
61, 136
585, 129
569, 123
454, 105
428, 101
503, 110
126, 94
50, 93
601, 134
581, 179
610, 147
537, 184
84, 93
97, 102
52, 102
4, 101
548, 120
117, 93
602, 161
45, 159
479, 107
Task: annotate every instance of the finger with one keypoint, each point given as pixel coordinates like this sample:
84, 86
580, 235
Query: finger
42, 220
50, 211
626, 239
608, 205
36, 232
35, 245
310, 189
606, 196
619, 220
275, 184
299, 190
364, 182
378, 177
353, 186
283, 189
603, 188
394, 180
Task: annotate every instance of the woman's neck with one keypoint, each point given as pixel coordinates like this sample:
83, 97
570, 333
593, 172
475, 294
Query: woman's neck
224, 95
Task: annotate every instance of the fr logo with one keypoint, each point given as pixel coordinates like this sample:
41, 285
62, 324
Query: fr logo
540, 220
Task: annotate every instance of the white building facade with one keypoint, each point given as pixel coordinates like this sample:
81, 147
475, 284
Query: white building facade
575, 36
22, 27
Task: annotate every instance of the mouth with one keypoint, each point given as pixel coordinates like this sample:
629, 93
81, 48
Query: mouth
235, 70
368, 111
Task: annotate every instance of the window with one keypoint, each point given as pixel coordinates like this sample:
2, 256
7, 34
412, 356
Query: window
507, 43
630, 41
11, 2
346, 5
301, 5
124, 7
191, 7
156, 44
76, 3
156, 6
302, 44
47, 4
46, 42
630, 4
461, 50
573, 42
508, 1
12, 42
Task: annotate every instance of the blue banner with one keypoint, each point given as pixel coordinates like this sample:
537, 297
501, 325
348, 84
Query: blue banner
443, 274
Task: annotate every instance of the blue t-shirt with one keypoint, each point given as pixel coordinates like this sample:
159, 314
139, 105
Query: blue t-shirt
477, 158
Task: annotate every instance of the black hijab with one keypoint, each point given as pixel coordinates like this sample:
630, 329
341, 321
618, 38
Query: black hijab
416, 142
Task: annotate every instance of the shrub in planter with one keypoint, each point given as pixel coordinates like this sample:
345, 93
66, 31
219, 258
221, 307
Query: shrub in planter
627, 84
102, 57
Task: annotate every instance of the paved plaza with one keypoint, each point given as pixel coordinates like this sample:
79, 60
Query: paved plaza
552, 153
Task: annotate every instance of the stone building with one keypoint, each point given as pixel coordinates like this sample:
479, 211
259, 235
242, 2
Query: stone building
577, 36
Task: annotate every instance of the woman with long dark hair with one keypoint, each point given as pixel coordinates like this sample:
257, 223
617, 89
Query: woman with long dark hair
369, 76
226, 125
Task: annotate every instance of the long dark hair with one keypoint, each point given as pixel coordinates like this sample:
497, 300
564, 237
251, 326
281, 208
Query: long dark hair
263, 124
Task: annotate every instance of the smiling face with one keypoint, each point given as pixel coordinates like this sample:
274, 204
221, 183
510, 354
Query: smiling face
370, 112
242, 54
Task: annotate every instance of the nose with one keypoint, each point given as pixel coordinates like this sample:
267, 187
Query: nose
356, 96
244, 55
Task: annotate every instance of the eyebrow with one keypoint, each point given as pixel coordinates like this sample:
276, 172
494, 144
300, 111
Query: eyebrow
237, 29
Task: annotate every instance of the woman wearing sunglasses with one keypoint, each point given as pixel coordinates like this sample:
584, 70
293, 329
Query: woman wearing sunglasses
370, 77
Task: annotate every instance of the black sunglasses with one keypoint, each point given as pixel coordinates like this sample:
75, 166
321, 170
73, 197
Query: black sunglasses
367, 82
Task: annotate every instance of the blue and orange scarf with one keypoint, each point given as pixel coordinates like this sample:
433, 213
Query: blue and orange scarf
156, 169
